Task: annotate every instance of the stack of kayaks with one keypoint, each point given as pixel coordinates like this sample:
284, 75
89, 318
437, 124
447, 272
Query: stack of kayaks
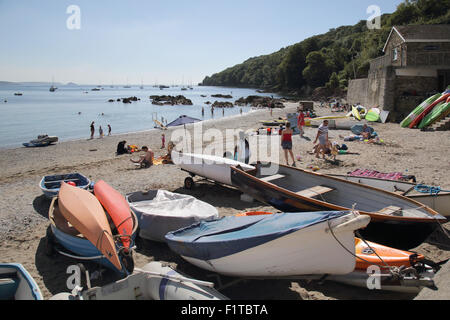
79, 224
438, 113
416, 117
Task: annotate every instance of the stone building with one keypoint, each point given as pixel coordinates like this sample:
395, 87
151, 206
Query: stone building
415, 65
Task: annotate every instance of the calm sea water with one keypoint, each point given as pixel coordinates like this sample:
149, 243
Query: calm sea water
68, 112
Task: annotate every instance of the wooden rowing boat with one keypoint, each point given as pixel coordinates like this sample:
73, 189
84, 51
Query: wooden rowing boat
395, 220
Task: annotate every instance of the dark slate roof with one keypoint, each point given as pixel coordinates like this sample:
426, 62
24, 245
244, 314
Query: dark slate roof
424, 32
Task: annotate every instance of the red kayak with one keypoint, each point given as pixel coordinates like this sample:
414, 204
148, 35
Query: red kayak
419, 118
118, 209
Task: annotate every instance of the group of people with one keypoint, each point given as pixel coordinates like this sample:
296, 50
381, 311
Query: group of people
100, 130
147, 159
322, 144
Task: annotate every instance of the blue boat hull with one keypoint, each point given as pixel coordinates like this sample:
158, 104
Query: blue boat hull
50, 184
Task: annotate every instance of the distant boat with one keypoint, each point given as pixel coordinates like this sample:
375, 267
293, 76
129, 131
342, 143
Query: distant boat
17, 94
52, 88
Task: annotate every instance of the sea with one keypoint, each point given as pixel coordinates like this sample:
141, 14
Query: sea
68, 112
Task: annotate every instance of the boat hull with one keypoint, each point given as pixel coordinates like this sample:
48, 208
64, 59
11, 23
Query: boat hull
50, 184
406, 233
310, 250
210, 167
72, 240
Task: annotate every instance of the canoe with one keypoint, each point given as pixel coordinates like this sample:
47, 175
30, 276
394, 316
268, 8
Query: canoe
439, 112
271, 246
426, 110
419, 109
50, 184
210, 167
16, 283
117, 208
154, 281
161, 211
355, 113
438, 202
396, 221
85, 213
79, 247
373, 115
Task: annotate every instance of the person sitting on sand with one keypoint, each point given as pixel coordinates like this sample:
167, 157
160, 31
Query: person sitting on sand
146, 161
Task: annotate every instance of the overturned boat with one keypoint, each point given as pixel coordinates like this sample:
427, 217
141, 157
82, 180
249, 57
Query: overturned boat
272, 245
161, 211
396, 221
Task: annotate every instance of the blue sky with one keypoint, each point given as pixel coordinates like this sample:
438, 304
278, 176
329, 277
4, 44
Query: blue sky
157, 41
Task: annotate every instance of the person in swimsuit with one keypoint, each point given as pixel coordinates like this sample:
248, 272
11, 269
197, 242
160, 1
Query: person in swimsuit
286, 143
301, 121
92, 130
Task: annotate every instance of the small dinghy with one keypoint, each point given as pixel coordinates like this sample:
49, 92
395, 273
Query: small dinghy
161, 211
272, 245
17, 284
210, 167
396, 221
154, 281
41, 141
383, 268
50, 184
80, 225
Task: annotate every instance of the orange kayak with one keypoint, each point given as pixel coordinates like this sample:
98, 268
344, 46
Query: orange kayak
253, 213
85, 213
118, 209
392, 257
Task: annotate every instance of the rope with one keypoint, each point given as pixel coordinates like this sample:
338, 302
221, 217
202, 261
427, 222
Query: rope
434, 191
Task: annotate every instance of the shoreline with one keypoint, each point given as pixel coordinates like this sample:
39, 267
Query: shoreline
24, 209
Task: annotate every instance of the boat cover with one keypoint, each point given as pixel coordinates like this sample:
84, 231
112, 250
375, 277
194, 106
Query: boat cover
209, 240
167, 203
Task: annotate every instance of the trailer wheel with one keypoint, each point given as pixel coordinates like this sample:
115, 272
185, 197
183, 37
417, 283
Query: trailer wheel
189, 183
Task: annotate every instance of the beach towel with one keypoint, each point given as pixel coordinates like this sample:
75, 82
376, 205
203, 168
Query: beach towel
380, 175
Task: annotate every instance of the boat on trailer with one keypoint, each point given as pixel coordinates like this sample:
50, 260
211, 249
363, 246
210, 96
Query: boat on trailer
396, 221
207, 166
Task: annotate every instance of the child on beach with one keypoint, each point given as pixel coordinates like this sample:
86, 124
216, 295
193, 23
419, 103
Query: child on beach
301, 121
100, 132
163, 141
109, 130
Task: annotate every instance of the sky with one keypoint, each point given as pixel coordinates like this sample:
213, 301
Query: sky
157, 42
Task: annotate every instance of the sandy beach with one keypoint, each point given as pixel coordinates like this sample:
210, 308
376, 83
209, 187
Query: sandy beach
24, 209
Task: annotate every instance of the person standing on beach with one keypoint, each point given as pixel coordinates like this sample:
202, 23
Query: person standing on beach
301, 121
322, 136
100, 132
92, 130
163, 141
109, 130
286, 143
203, 111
